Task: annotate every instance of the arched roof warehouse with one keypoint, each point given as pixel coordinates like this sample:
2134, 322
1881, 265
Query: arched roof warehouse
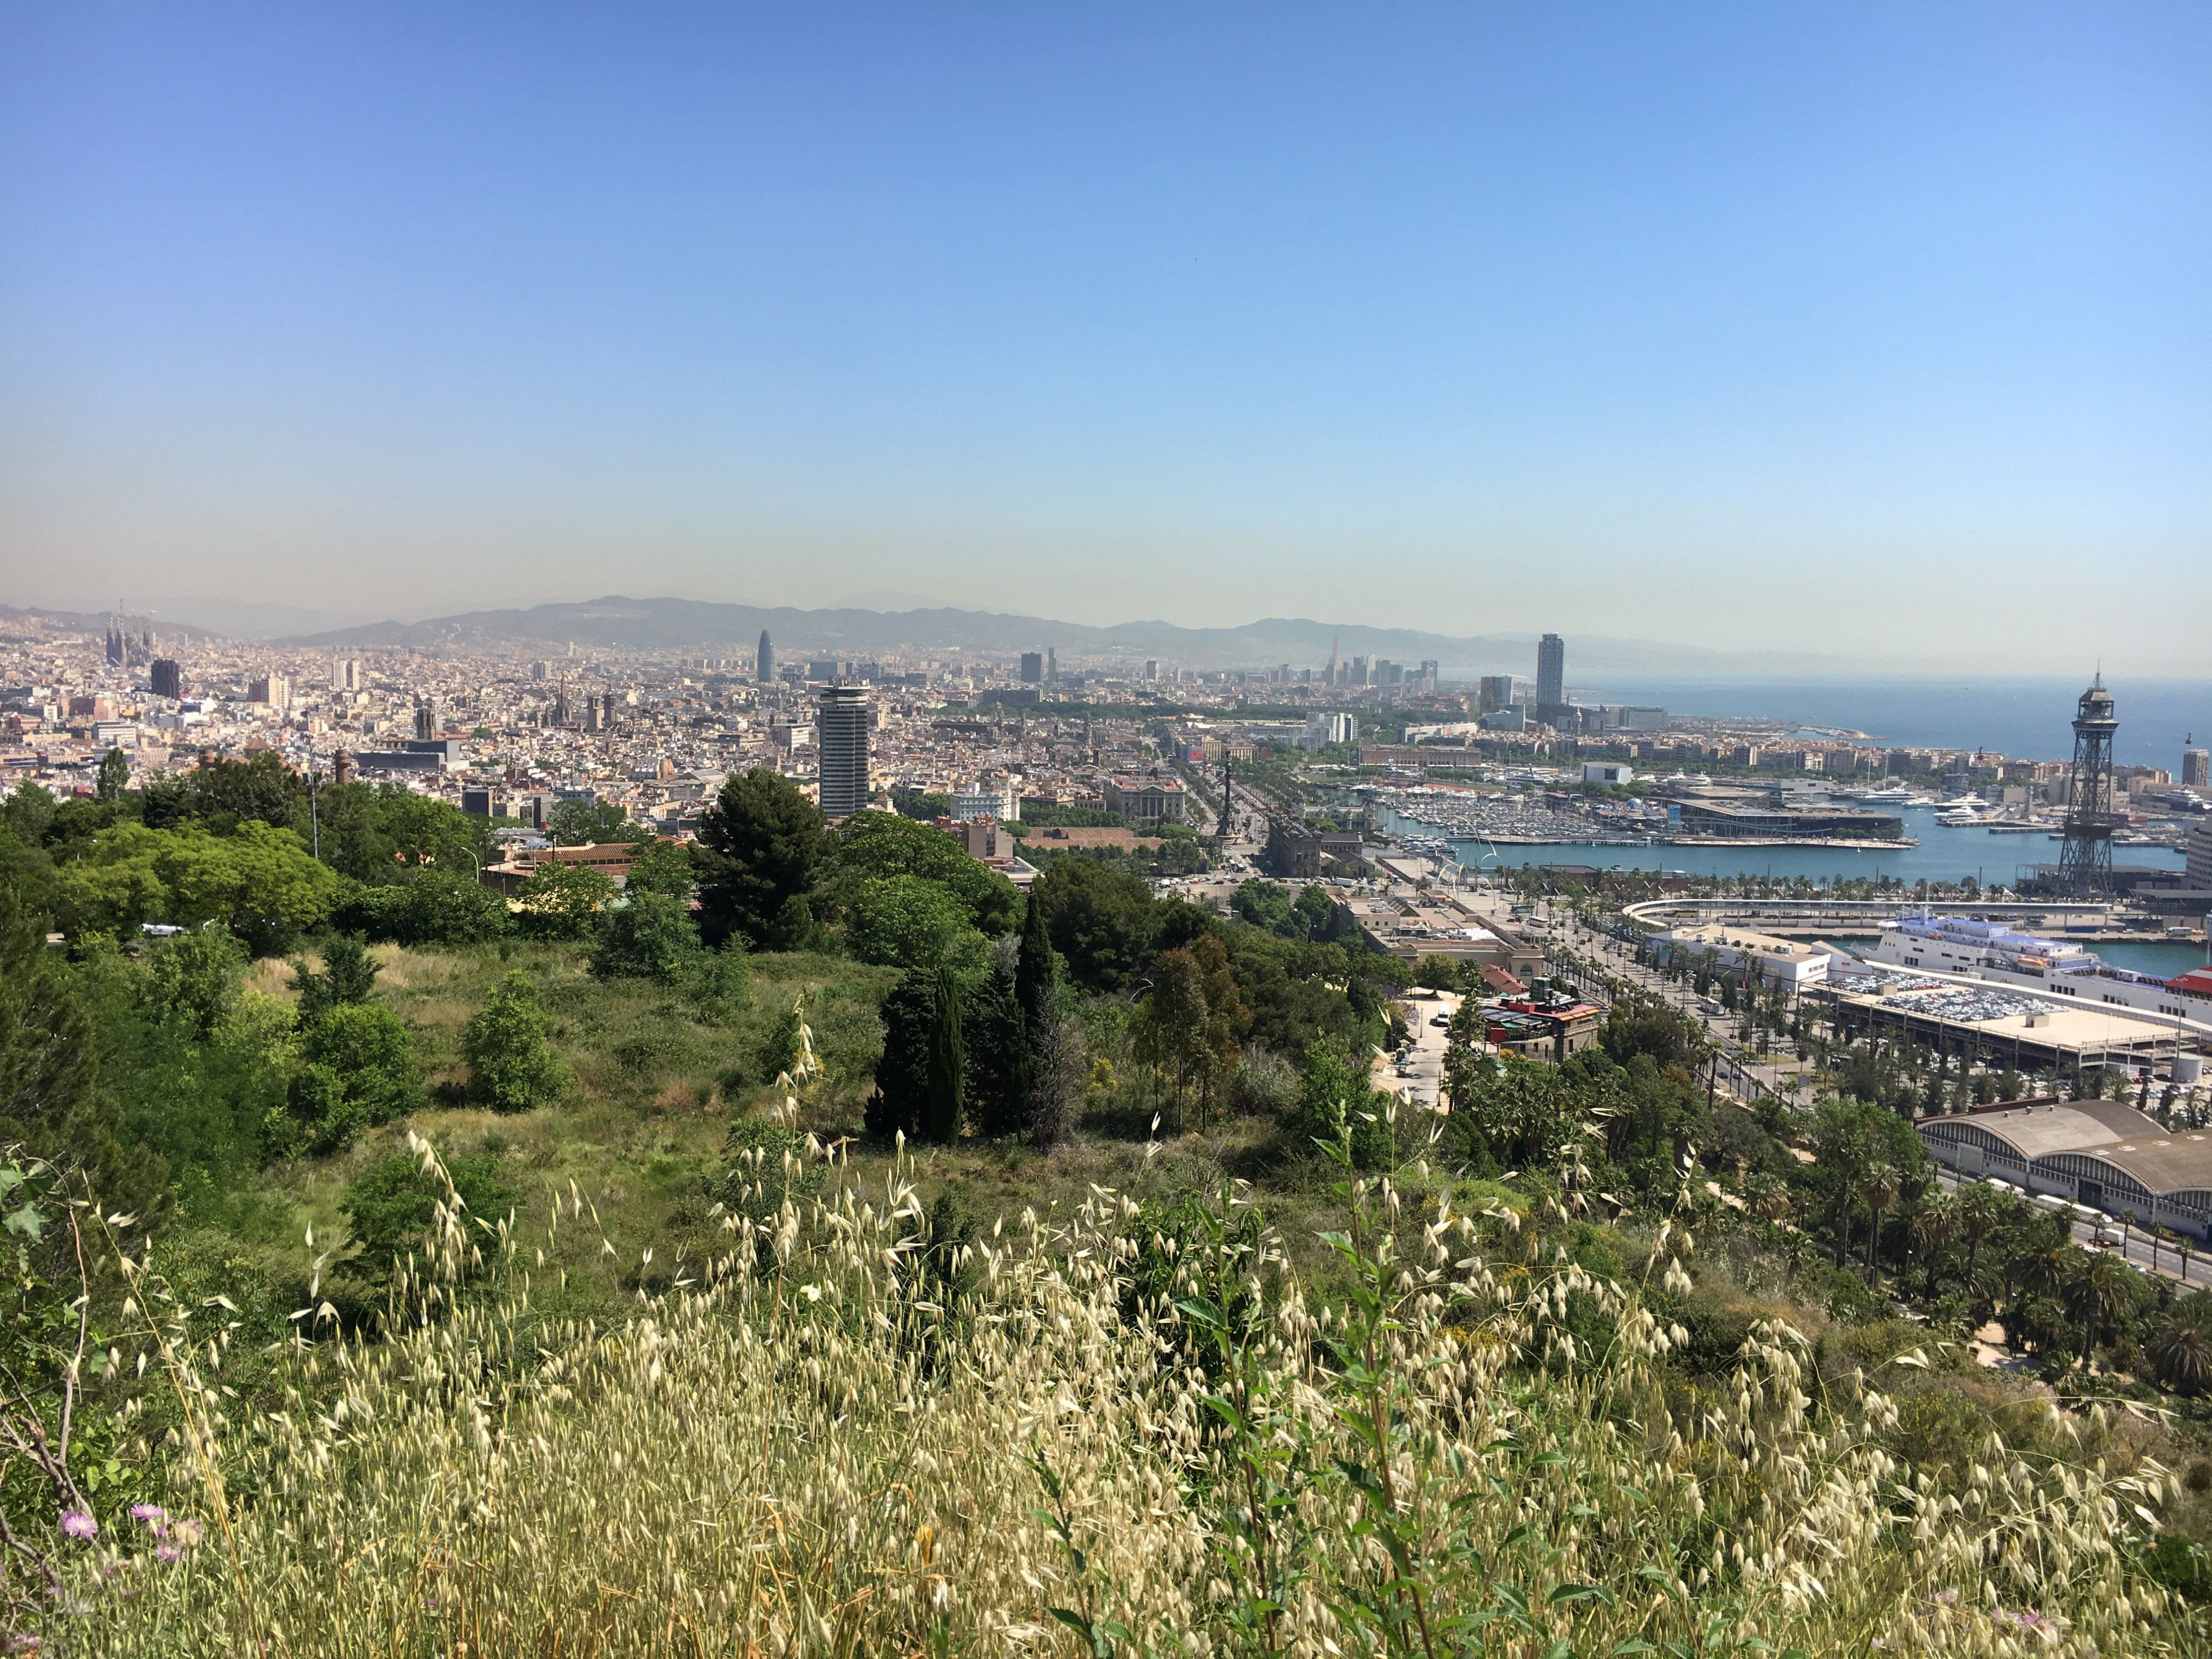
2094, 1151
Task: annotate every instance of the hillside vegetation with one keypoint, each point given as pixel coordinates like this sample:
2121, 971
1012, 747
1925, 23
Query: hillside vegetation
820, 1247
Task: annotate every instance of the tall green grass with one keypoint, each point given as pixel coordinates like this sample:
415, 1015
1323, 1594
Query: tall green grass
841, 1435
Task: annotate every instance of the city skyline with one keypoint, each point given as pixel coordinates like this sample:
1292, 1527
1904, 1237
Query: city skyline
1709, 329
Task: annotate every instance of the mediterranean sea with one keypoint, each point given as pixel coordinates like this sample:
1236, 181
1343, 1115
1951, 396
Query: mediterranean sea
2026, 718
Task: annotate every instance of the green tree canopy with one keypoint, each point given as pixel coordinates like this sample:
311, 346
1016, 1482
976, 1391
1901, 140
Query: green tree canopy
760, 846
1103, 922
381, 833
581, 823
561, 902
946, 1065
910, 921
435, 907
1264, 904
50, 1101
223, 795
902, 1092
357, 1069
878, 846
1337, 1105
258, 882
195, 977
348, 975
193, 1065
661, 867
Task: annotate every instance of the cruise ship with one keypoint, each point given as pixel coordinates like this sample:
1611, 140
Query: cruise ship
2058, 968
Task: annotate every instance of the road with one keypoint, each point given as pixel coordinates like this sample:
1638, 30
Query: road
1422, 1081
1739, 1076
2140, 1250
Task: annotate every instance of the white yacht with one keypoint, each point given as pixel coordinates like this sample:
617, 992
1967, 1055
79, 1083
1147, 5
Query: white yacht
2057, 968
1895, 795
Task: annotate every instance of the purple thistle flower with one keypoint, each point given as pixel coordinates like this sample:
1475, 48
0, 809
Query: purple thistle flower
168, 1552
150, 1513
188, 1532
78, 1524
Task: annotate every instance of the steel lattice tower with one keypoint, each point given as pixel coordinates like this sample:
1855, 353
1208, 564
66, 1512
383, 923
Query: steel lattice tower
2085, 861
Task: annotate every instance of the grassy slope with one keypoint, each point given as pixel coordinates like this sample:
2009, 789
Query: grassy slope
656, 1086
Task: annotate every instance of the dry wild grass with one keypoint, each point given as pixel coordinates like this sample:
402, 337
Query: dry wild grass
837, 1438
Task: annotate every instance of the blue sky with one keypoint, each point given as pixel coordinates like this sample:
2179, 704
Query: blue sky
1862, 329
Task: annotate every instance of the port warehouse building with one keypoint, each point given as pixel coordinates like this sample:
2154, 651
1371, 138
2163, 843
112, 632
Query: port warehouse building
1749, 823
2109, 1156
2063, 1038
1761, 956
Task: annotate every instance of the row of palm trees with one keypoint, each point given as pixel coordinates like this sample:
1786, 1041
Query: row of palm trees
2050, 1293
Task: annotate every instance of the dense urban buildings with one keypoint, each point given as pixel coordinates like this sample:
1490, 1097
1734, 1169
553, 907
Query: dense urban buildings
512, 730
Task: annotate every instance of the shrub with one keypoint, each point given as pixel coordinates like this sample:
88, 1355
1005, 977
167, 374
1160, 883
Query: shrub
718, 985
511, 1067
649, 937
1263, 1084
390, 1205
433, 908
1336, 1105
357, 1070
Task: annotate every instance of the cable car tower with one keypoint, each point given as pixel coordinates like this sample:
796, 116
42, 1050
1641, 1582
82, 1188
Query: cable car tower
2085, 861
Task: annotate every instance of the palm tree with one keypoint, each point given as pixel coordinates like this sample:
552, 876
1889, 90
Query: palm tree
1978, 1219
2101, 1287
2181, 1346
1878, 1192
1932, 1228
2042, 1272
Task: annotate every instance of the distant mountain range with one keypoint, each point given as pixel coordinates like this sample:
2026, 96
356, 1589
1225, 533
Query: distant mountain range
669, 624
99, 623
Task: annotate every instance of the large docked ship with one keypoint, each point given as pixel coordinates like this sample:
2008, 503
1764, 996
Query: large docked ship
2057, 968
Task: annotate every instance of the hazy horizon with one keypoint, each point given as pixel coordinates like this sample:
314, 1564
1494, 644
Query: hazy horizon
1872, 333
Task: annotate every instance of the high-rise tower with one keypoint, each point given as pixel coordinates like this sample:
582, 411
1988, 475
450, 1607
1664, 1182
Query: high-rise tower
764, 661
1551, 677
2085, 860
841, 737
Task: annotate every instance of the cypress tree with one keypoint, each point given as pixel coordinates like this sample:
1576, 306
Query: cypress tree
900, 1100
1036, 971
947, 1062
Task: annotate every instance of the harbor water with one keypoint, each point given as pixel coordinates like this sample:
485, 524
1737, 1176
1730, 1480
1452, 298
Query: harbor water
1943, 855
